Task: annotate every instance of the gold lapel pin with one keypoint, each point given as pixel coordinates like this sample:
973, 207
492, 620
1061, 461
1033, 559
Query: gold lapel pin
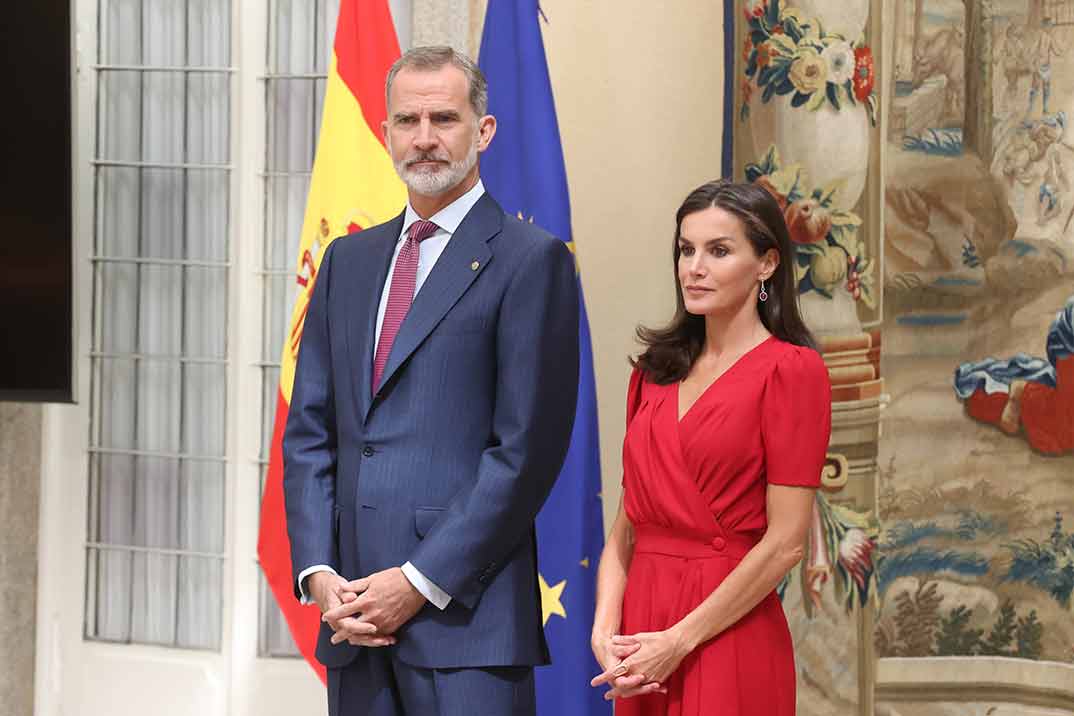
475, 265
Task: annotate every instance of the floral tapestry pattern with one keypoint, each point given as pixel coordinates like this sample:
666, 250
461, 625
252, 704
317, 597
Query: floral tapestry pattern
919, 152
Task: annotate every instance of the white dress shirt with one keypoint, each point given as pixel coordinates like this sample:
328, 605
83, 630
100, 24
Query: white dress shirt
429, 250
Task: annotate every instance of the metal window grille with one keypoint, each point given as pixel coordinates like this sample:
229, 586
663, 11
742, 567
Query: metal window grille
159, 357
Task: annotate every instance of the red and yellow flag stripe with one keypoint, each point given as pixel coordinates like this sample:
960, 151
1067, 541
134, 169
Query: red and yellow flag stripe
353, 186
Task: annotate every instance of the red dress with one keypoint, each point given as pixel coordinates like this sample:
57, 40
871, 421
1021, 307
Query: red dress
695, 492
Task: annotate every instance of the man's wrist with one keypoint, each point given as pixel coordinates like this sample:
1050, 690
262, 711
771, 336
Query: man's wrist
304, 585
317, 578
415, 592
426, 587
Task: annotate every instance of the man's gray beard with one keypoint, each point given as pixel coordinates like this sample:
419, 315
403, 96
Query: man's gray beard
435, 183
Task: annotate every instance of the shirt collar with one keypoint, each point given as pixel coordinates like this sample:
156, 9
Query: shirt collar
451, 215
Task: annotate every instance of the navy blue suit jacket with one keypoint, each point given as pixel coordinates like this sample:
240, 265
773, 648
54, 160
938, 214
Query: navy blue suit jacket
449, 462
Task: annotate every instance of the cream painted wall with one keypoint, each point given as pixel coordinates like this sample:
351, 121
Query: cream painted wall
639, 94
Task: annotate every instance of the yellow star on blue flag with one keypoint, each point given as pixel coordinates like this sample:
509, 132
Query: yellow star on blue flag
551, 599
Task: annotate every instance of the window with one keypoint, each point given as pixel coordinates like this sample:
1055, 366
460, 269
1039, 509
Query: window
159, 355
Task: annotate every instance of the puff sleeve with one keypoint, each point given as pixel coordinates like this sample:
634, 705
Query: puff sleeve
796, 419
633, 399
633, 402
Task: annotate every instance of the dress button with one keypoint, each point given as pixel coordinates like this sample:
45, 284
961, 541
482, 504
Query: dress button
718, 543
367, 451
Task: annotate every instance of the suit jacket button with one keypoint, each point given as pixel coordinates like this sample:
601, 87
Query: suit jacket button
718, 543
367, 451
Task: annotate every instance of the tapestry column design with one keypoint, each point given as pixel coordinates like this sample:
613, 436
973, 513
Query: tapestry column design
806, 128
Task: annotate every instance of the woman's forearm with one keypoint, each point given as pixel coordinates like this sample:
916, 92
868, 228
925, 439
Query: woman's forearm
753, 579
612, 577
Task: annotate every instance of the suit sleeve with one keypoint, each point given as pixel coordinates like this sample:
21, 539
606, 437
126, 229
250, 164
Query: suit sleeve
309, 440
536, 398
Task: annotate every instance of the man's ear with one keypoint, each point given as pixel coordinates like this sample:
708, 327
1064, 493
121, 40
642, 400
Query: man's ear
486, 128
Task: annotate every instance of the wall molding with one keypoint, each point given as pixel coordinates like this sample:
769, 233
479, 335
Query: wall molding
988, 679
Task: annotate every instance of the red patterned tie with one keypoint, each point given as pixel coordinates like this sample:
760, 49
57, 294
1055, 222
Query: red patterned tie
401, 293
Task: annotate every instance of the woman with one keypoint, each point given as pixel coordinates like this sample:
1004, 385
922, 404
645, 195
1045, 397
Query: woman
728, 420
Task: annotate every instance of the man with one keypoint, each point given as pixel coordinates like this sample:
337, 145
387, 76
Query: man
1014, 59
432, 409
1047, 47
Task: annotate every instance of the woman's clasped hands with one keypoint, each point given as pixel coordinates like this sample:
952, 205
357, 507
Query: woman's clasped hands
640, 663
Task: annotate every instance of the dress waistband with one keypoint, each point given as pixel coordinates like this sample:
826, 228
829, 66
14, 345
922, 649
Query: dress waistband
677, 543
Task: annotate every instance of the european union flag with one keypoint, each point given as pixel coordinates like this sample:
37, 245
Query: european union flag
524, 170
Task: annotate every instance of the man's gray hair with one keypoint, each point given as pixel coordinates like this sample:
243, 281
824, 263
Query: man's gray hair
427, 59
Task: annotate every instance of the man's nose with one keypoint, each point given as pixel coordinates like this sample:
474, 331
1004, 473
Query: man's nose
425, 138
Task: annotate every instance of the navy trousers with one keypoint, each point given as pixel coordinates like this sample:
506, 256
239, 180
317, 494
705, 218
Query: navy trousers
379, 684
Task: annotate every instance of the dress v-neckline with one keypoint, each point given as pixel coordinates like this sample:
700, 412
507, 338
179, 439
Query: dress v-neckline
680, 415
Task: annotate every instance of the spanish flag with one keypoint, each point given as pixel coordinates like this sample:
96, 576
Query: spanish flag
353, 186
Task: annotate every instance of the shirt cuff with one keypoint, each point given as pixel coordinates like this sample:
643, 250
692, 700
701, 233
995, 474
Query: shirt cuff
305, 598
430, 591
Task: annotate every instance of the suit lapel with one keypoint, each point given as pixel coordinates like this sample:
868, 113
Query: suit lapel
367, 286
453, 273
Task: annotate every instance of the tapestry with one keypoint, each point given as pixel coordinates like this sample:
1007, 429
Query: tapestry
919, 149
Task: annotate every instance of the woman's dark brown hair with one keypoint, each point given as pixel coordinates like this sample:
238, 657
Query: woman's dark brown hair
670, 351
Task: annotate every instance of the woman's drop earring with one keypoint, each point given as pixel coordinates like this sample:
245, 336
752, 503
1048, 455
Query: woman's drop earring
764, 294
